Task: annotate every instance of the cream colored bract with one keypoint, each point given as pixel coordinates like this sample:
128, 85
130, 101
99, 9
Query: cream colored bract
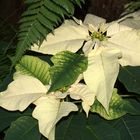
115, 44
50, 108
25, 90
102, 72
121, 46
81, 91
69, 36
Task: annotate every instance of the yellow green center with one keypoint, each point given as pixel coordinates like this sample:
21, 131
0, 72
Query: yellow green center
98, 35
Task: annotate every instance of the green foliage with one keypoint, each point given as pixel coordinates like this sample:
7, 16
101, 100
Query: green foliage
7, 117
4, 66
34, 66
118, 107
130, 77
78, 127
6, 81
5, 62
67, 67
39, 19
132, 6
7, 31
24, 128
6, 51
128, 127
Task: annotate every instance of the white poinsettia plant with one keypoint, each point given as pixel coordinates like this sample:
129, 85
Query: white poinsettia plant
83, 67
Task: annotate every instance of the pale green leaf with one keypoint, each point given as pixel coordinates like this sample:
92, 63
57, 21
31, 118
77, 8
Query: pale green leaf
102, 72
21, 93
69, 36
67, 67
34, 66
49, 111
117, 107
24, 128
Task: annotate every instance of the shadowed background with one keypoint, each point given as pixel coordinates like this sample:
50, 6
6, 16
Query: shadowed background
10, 12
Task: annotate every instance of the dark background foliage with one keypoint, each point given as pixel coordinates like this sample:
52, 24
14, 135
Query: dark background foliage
10, 12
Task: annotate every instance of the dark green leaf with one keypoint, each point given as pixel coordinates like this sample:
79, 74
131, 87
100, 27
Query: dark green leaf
78, 2
128, 126
5, 62
5, 82
78, 127
67, 67
66, 5
130, 77
24, 128
43, 138
6, 117
39, 19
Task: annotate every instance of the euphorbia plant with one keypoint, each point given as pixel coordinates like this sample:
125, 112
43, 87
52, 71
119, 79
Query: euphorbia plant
107, 46
85, 64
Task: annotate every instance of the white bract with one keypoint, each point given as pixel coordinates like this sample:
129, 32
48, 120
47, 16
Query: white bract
132, 20
107, 45
69, 36
81, 91
49, 109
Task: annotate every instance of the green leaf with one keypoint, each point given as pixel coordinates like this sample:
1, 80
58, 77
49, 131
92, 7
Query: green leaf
132, 6
67, 67
24, 128
78, 127
5, 62
39, 19
35, 67
6, 81
117, 107
128, 127
78, 2
43, 138
130, 77
67, 5
7, 117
